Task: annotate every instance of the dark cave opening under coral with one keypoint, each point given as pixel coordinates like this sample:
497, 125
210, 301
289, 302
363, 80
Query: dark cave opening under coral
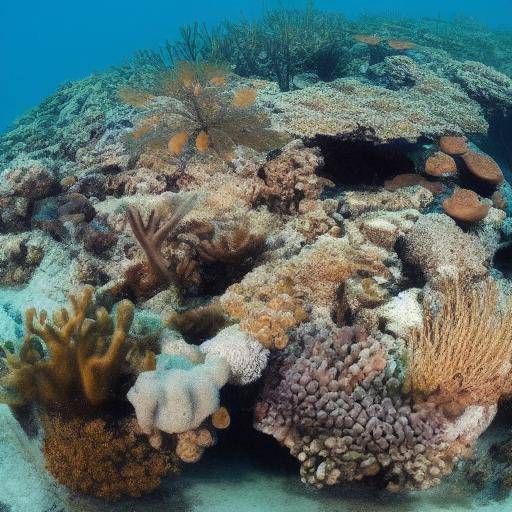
241, 441
358, 162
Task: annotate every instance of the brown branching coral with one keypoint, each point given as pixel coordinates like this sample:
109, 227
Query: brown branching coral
462, 353
198, 111
91, 457
84, 361
152, 234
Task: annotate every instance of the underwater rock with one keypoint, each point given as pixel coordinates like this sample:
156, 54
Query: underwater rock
28, 178
430, 109
439, 249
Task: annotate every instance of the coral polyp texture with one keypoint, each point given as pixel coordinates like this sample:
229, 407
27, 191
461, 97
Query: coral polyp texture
298, 224
337, 405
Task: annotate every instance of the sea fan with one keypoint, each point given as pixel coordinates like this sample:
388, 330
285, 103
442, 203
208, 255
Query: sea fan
197, 110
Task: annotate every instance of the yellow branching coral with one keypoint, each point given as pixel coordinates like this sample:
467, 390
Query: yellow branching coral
462, 353
84, 356
196, 111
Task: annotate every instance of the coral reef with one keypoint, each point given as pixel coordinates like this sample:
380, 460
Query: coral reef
318, 229
461, 355
337, 405
91, 457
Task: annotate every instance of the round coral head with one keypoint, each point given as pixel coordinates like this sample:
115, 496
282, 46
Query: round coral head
483, 167
221, 418
453, 146
465, 206
440, 165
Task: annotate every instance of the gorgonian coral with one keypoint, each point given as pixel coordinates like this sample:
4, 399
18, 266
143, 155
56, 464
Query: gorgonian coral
197, 109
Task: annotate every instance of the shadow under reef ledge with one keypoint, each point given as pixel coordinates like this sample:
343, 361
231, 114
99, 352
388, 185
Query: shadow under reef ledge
257, 475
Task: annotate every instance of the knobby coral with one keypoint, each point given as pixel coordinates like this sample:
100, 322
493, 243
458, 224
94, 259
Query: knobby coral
333, 398
89, 456
463, 352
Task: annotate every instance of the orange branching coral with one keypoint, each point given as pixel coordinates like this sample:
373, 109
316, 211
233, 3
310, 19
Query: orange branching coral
272, 299
90, 457
85, 356
462, 353
195, 111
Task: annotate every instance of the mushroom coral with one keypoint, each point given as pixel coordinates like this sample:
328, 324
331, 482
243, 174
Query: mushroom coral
84, 356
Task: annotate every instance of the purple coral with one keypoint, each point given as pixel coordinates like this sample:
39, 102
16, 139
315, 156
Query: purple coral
334, 399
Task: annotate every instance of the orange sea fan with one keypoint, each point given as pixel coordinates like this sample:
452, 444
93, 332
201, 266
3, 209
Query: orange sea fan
177, 143
244, 98
366, 39
202, 141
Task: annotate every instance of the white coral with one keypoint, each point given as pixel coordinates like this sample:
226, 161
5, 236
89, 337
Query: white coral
178, 399
246, 357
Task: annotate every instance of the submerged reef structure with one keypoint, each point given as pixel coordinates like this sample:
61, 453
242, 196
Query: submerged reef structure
296, 230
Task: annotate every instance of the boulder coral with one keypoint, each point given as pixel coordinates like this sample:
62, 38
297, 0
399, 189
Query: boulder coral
334, 400
178, 396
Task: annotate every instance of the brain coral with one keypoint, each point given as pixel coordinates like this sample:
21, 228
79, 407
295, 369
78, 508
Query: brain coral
440, 249
333, 398
247, 358
431, 108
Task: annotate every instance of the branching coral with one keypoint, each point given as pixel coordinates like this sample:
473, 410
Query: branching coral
462, 353
196, 110
152, 234
84, 361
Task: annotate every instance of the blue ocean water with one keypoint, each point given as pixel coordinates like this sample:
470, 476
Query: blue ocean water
43, 44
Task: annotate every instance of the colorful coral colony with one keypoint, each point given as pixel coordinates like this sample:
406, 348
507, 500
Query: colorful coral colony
332, 237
